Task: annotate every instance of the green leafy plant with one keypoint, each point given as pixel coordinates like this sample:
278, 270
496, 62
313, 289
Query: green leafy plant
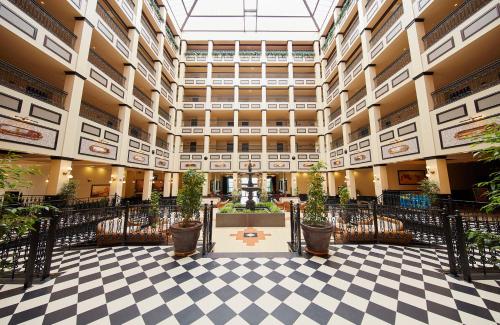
235, 196
189, 196
485, 242
154, 209
270, 207
430, 189
491, 136
314, 214
12, 175
343, 195
68, 191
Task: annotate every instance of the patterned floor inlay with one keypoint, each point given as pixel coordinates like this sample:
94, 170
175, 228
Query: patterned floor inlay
358, 284
250, 236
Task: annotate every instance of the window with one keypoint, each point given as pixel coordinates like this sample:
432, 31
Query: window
245, 147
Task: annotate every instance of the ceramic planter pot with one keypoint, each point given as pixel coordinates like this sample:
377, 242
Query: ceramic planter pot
317, 239
185, 238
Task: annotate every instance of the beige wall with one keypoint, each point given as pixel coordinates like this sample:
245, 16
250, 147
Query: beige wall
364, 181
392, 175
86, 176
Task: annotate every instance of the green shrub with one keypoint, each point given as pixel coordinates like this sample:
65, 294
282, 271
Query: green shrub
314, 214
189, 196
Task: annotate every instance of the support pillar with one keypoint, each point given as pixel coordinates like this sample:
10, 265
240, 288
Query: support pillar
350, 183
147, 185
167, 184
206, 185
59, 174
332, 187
118, 174
175, 184
380, 180
294, 184
437, 171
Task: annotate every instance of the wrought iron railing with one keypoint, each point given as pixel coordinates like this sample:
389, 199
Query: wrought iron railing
222, 99
142, 97
380, 32
249, 123
331, 61
99, 116
109, 15
165, 84
333, 115
394, 67
304, 99
149, 29
145, 59
196, 75
162, 144
305, 123
171, 37
250, 148
155, 9
168, 59
44, 18
333, 86
19, 80
450, 22
192, 123
220, 148
277, 148
306, 148
222, 123
336, 143
351, 30
273, 99
359, 133
164, 114
189, 148
356, 97
484, 78
277, 123
353, 63
105, 67
225, 75
138, 133
405, 113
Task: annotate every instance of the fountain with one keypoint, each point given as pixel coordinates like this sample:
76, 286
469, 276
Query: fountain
250, 188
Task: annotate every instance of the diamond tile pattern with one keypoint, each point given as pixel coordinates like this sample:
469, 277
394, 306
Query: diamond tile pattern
367, 284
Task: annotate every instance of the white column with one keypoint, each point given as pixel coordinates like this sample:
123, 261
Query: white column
147, 185
437, 171
167, 184
380, 180
350, 183
117, 180
175, 184
59, 174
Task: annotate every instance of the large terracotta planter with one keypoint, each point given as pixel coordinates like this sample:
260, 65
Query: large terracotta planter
317, 239
185, 238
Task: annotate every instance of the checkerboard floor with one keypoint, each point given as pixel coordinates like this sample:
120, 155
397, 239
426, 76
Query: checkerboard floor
358, 284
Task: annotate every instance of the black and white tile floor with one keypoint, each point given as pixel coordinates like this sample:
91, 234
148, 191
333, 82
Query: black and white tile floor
360, 284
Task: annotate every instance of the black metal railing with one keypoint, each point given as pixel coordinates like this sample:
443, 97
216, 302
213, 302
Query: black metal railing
138, 133
162, 144
146, 59
384, 28
356, 97
250, 148
332, 86
113, 20
306, 148
405, 113
273, 148
352, 64
295, 243
142, 97
392, 68
187, 148
359, 133
105, 67
164, 114
44, 18
450, 22
165, 84
99, 116
350, 30
333, 115
149, 29
19, 80
481, 79
336, 143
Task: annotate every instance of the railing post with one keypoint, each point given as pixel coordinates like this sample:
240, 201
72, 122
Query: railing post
210, 224
375, 220
448, 238
461, 248
30, 263
297, 224
49, 246
125, 222
205, 217
292, 227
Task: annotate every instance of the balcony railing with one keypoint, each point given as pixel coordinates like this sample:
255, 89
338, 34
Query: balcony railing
307, 148
149, 29
155, 9
225, 75
455, 18
278, 148
394, 67
145, 59
249, 123
99, 116
44, 18
278, 53
192, 123
470, 84
276, 99
277, 123
303, 54
105, 67
336, 113
351, 65
250, 53
332, 61
220, 148
350, 31
333, 86
189, 148
222, 123
250, 148
305, 123
398, 12
277, 75
138, 133
345, 7
250, 75
356, 97
359, 133
171, 37
19, 80
223, 53
403, 114
194, 99
142, 97
165, 84
336, 143
222, 99
196, 52
195, 75
113, 20
305, 99
162, 144
164, 114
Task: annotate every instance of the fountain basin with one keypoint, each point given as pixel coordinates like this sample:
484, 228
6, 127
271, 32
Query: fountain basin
265, 215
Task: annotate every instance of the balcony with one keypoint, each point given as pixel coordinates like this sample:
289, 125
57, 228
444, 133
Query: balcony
221, 148
386, 29
138, 133
336, 143
162, 144
333, 90
353, 68
223, 78
278, 148
21, 81
164, 118
155, 10
331, 65
401, 115
335, 118
249, 148
309, 148
350, 37
188, 148
99, 116
105, 68
343, 12
128, 7
397, 68
277, 55
453, 20
142, 102
149, 35
146, 65
168, 64
479, 80
250, 55
112, 27
170, 38
223, 55
166, 90
303, 56
196, 55
356, 103
358, 134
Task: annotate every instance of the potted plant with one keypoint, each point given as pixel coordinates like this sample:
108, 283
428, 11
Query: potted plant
315, 225
67, 193
186, 232
154, 209
430, 190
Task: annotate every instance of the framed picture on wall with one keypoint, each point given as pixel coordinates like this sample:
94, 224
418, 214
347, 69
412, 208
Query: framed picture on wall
99, 190
158, 186
139, 185
410, 177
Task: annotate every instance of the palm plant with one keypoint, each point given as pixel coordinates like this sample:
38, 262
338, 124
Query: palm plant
189, 196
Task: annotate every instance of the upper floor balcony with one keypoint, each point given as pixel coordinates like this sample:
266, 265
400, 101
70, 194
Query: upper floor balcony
112, 27
106, 76
164, 118
143, 102
139, 134
397, 72
334, 118
170, 40
197, 54
356, 102
351, 35
336, 143
166, 90
353, 67
128, 7
303, 54
27, 84
145, 66
99, 116
162, 144
386, 30
359, 133
250, 53
223, 55
331, 66
399, 116
168, 64
148, 34
154, 11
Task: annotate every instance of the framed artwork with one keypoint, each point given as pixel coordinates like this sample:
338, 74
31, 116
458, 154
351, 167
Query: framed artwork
139, 185
99, 190
410, 177
158, 186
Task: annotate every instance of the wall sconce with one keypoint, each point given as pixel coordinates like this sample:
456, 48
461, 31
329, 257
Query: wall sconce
47, 180
68, 171
376, 178
430, 171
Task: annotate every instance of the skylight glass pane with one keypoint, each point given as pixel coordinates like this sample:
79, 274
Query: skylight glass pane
282, 8
214, 23
218, 8
285, 24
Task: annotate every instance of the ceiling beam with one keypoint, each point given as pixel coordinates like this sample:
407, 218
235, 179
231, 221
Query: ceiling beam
189, 14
